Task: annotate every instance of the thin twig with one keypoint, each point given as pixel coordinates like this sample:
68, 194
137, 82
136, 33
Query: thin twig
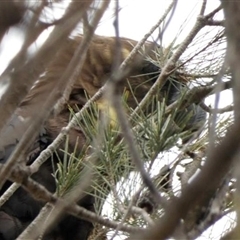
228, 108
22, 78
80, 54
170, 65
135, 50
40, 193
203, 8
41, 111
8, 193
114, 99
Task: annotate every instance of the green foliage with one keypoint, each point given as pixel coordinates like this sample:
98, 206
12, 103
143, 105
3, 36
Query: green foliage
154, 131
69, 169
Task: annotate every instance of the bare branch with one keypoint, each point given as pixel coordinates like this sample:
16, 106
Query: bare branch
77, 62
219, 110
129, 59
29, 71
170, 66
220, 158
39, 192
11, 13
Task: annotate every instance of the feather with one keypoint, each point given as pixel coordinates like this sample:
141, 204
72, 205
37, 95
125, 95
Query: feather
95, 72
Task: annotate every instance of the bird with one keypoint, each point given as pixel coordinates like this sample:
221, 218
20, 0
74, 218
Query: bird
21, 209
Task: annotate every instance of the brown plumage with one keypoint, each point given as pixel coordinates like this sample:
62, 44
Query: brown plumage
21, 208
96, 70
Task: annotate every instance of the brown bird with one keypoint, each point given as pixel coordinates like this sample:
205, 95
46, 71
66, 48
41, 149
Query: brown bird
21, 208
